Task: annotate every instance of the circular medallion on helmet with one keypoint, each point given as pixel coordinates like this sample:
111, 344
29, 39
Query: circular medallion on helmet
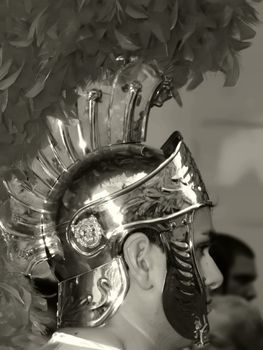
86, 234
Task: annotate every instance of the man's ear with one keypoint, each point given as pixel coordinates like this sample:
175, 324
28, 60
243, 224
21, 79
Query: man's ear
137, 254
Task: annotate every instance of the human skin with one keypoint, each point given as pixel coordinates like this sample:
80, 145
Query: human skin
140, 321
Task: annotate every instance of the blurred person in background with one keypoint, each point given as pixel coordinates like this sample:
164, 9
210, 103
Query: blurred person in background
235, 325
236, 261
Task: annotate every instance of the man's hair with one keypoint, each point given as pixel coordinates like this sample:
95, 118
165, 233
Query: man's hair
224, 249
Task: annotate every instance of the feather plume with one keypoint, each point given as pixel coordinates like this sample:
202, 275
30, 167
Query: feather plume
24, 317
49, 47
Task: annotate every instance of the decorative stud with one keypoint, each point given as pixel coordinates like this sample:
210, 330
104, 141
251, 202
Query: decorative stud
87, 233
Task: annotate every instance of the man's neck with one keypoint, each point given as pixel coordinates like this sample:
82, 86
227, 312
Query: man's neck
133, 335
119, 334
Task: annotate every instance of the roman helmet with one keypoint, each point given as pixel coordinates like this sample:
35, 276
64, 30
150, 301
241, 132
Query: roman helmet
94, 182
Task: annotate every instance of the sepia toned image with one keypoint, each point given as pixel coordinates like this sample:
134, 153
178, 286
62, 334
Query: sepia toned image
131, 174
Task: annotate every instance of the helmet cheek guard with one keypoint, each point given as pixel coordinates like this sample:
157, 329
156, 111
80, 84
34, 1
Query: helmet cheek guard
184, 291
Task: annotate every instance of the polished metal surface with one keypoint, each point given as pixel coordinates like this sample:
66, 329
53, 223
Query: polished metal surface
184, 291
92, 183
88, 300
108, 111
130, 187
151, 194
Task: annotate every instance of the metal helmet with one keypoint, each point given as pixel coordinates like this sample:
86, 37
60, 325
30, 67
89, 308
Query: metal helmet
93, 183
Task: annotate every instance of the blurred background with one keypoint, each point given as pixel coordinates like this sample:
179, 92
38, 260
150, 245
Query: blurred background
224, 129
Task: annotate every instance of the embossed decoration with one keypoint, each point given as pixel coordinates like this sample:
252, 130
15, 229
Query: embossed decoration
183, 276
87, 233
